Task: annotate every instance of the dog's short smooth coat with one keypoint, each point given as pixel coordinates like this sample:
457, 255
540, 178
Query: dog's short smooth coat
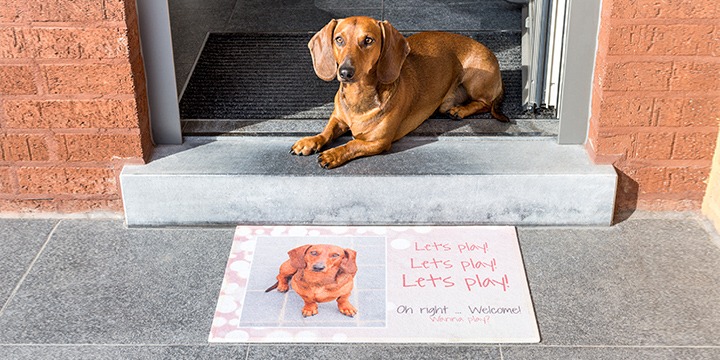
319, 273
390, 84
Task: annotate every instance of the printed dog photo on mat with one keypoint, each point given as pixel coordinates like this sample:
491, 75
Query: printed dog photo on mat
319, 273
321, 281
390, 84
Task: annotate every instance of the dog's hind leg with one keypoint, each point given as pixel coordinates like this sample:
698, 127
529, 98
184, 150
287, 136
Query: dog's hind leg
473, 107
453, 98
485, 93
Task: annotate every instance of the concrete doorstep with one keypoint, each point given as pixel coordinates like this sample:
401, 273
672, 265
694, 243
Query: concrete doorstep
422, 180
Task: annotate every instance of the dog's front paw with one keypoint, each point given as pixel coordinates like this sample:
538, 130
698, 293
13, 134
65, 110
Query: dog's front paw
332, 158
307, 145
347, 309
283, 288
309, 310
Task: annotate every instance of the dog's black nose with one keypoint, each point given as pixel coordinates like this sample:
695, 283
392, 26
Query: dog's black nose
318, 267
346, 72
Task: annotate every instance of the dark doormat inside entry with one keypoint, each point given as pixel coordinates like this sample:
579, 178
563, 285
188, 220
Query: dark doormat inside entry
247, 76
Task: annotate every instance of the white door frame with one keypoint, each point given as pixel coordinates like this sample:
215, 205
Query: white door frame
157, 53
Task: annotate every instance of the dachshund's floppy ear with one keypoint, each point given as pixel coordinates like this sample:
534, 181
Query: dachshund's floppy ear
394, 51
321, 49
297, 256
348, 264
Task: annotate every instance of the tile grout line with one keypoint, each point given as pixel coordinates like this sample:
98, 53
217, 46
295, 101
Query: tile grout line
228, 20
247, 351
502, 357
32, 264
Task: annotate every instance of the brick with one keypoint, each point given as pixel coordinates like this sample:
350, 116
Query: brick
63, 10
45, 204
695, 76
653, 146
651, 180
699, 111
608, 145
88, 79
75, 43
693, 179
638, 75
115, 9
101, 147
668, 111
694, 146
655, 202
65, 114
6, 181
16, 43
686, 112
623, 111
38, 146
665, 9
25, 147
66, 180
676, 39
105, 205
9, 10
17, 80
23, 114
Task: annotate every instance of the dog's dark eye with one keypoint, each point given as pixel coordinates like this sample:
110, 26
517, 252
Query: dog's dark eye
334, 255
369, 40
339, 40
314, 253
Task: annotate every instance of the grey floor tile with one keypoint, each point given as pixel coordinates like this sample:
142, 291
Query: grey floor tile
297, 20
262, 277
649, 282
262, 307
189, 33
20, 242
470, 16
98, 282
182, 74
202, 4
99, 352
371, 277
426, 3
373, 351
607, 353
371, 305
320, 4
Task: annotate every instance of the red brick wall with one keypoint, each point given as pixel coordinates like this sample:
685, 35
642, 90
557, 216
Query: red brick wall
72, 103
656, 99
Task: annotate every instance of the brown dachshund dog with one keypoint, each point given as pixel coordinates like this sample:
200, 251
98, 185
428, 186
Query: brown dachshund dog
389, 84
319, 273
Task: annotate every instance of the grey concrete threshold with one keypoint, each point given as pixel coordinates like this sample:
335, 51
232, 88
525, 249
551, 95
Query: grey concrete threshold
422, 180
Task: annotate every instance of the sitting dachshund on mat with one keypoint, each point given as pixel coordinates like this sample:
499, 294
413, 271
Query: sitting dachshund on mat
319, 273
389, 84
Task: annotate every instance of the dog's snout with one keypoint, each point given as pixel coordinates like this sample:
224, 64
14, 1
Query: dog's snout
346, 72
318, 267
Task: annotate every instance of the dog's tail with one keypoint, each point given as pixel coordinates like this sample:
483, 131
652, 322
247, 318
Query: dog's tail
495, 110
273, 287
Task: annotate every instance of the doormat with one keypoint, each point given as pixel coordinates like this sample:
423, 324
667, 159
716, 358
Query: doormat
256, 76
409, 284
